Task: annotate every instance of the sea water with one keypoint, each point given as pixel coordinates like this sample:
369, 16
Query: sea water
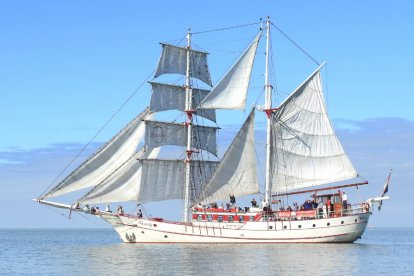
100, 252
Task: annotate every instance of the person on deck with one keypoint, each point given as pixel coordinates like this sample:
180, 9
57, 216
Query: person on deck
306, 205
266, 205
232, 200
254, 203
345, 200
108, 209
139, 214
320, 209
328, 206
120, 211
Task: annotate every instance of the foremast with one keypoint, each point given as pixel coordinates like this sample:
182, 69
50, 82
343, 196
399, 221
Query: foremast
189, 110
268, 111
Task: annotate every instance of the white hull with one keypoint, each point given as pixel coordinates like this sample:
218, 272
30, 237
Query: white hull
330, 230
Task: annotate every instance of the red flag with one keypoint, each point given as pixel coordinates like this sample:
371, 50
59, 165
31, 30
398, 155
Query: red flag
385, 190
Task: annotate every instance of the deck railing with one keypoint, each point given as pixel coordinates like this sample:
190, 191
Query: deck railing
318, 213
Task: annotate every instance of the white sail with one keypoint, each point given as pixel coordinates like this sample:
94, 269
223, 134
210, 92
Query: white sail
173, 60
106, 160
236, 173
231, 91
123, 185
172, 97
159, 134
307, 151
164, 179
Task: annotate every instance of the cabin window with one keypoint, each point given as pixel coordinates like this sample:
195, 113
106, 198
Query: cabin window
199, 217
209, 217
251, 218
240, 218
231, 219
220, 218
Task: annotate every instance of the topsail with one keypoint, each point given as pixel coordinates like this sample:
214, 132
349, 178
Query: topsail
172, 97
173, 60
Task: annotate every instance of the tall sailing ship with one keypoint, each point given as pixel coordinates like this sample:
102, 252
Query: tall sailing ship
303, 153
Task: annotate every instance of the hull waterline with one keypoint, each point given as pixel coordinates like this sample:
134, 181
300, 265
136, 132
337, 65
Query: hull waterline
330, 230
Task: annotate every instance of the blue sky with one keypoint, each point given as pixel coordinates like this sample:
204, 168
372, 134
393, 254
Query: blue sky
66, 67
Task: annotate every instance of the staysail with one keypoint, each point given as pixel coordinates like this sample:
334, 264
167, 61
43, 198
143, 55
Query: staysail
236, 173
106, 160
307, 151
231, 91
173, 60
123, 185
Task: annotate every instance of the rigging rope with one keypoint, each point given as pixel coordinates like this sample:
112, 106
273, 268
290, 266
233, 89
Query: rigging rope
99, 131
294, 43
227, 28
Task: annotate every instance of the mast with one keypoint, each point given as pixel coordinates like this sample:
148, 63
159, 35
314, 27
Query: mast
189, 111
268, 111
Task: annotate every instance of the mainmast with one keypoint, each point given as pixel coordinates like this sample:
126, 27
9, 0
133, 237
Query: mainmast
268, 111
189, 111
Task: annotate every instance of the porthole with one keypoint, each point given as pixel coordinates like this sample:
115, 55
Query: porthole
300, 226
270, 227
314, 225
328, 223
142, 232
284, 227
155, 225
356, 220
342, 222
165, 236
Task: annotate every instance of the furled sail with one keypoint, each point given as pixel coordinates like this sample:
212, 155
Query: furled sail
231, 91
123, 185
172, 97
173, 60
106, 160
236, 173
159, 134
307, 151
164, 179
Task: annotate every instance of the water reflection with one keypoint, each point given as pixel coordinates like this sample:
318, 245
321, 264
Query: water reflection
97, 252
289, 259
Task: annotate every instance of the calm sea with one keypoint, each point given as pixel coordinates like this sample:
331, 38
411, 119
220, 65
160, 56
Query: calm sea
100, 252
